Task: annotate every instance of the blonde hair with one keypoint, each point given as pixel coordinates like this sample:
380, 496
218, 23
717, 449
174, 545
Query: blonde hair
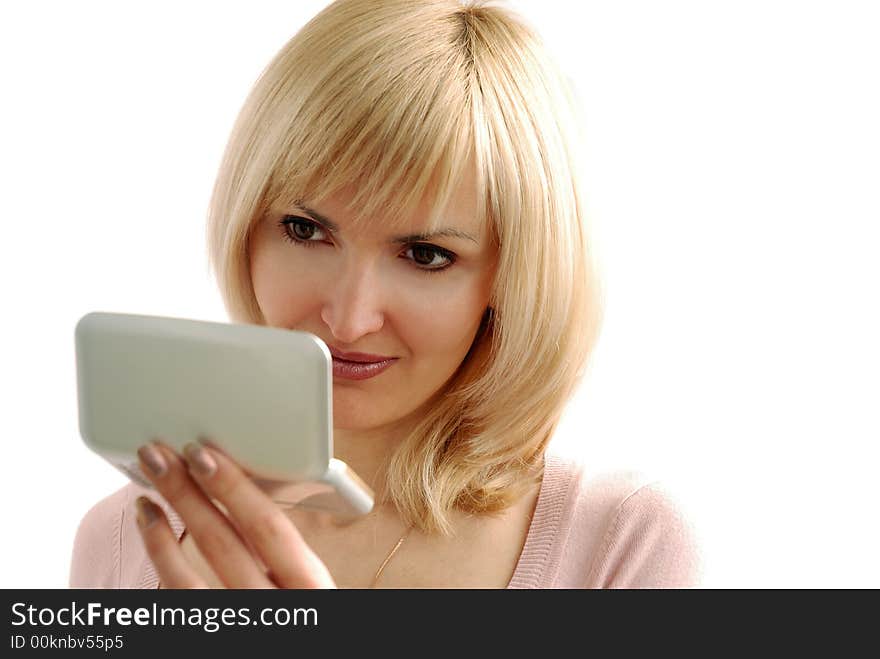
395, 97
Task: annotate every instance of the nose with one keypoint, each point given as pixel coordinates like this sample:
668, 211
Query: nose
354, 304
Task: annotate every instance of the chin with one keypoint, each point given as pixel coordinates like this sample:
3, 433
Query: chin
359, 409
350, 414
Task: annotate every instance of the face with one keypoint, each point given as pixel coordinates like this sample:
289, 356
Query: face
400, 294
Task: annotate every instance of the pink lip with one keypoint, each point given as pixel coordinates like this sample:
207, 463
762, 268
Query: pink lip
359, 370
358, 365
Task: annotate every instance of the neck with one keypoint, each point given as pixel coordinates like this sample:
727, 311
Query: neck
367, 451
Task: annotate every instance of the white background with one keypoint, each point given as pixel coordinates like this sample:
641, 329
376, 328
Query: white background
734, 182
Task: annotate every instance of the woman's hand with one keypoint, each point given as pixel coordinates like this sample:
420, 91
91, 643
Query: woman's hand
253, 545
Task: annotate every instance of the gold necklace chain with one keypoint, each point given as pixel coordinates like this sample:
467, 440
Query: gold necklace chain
378, 572
388, 558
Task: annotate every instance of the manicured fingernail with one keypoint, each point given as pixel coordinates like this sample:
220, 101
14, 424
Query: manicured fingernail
199, 460
147, 512
153, 459
211, 444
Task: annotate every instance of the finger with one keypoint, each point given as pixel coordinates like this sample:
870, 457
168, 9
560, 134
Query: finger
261, 522
163, 549
220, 544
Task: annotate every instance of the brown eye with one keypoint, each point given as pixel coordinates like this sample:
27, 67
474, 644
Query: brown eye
301, 231
429, 257
304, 231
423, 255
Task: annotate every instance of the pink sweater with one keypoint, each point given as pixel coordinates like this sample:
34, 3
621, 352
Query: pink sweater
589, 530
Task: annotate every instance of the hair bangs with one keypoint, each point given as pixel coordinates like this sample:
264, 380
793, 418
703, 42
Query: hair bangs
401, 137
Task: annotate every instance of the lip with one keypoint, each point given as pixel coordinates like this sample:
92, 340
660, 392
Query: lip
360, 370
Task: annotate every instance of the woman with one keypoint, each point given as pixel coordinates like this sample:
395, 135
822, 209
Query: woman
402, 182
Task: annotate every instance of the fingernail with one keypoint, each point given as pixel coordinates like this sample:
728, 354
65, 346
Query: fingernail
211, 444
147, 512
199, 460
153, 459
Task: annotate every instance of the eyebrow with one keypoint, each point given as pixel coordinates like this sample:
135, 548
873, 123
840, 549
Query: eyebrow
448, 232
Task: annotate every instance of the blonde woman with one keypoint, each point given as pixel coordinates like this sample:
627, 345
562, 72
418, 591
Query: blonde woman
402, 182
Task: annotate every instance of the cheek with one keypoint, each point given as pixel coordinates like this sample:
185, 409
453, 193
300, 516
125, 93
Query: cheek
285, 289
440, 324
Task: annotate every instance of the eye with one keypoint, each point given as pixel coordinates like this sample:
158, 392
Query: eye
302, 231
429, 257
